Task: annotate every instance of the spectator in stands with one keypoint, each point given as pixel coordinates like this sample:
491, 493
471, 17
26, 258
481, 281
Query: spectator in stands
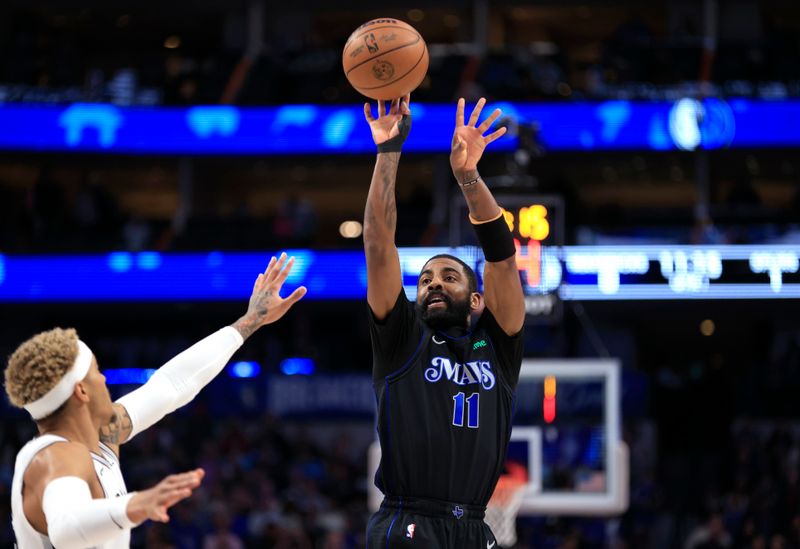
710, 535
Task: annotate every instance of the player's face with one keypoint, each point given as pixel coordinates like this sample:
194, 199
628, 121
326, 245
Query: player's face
443, 296
100, 399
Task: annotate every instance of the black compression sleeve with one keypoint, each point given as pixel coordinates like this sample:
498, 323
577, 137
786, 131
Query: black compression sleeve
495, 239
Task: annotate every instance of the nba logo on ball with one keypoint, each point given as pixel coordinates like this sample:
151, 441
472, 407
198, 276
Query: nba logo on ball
410, 530
385, 59
372, 44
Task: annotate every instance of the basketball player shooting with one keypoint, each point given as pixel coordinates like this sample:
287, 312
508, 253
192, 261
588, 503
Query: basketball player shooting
445, 389
68, 490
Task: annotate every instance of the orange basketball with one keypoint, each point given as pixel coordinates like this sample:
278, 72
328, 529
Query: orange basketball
385, 59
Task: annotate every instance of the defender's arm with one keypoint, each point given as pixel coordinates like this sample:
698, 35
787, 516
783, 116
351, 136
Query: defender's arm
178, 381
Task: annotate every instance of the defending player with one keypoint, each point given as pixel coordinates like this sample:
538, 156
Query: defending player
445, 391
68, 489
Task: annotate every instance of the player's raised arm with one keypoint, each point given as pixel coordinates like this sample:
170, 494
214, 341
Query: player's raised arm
384, 279
501, 285
178, 381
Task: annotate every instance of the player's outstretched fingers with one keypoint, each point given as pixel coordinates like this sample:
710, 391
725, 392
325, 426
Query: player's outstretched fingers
405, 104
175, 495
368, 113
198, 474
497, 134
460, 112
284, 274
154, 502
269, 265
295, 296
175, 488
189, 478
159, 514
181, 480
476, 112
381, 108
486, 124
275, 269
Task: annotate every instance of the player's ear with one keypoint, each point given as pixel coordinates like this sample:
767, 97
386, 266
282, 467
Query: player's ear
476, 302
81, 392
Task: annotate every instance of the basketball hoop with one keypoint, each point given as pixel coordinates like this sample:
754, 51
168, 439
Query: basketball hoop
501, 511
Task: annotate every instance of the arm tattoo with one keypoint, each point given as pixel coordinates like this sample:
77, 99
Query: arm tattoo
471, 194
259, 304
381, 208
118, 429
245, 326
387, 196
257, 311
369, 215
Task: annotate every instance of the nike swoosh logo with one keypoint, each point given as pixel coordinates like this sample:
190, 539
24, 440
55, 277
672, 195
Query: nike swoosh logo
490, 545
438, 341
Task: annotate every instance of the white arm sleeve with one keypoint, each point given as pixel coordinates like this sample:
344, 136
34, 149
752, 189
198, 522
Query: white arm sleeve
178, 381
75, 520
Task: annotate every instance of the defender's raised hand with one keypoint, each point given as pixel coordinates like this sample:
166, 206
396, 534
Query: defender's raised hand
266, 305
153, 503
468, 140
391, 128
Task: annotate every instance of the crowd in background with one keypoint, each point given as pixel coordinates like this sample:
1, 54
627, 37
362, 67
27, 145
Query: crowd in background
267, 483
273, 484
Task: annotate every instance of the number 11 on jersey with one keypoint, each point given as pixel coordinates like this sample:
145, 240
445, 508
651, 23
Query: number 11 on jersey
472, 410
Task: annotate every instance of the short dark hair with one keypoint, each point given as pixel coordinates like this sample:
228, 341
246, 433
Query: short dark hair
472, 279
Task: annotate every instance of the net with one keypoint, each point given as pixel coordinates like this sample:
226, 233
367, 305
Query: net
501, 511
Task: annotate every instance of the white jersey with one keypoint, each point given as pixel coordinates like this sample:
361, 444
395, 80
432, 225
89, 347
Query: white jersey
107, 467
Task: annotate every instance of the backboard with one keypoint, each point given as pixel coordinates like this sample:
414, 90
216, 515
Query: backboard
567, 435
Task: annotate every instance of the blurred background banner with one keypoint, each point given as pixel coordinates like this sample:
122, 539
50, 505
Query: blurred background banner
583, 273
339, 396
686, 124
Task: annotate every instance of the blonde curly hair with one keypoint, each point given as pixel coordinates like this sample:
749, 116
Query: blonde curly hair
39, 363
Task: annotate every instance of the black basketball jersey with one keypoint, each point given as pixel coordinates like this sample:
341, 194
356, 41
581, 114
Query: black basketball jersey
445, 404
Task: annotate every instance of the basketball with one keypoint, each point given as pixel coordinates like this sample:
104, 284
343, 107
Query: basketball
385, 59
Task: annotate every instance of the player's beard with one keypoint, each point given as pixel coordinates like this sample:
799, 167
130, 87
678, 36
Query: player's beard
455, 314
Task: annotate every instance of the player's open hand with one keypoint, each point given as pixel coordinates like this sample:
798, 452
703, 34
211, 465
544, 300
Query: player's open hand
266, 304
469, 142
153, 503
387, 125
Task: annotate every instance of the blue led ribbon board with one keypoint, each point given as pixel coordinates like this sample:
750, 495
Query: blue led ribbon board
686, 124
583, 273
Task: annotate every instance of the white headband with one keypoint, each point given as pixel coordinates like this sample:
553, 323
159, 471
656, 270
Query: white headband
59, 394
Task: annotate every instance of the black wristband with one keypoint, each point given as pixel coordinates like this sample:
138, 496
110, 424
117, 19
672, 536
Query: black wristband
495, 239
395, 144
